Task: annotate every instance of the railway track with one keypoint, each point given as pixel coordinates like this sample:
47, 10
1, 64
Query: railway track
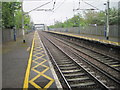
107, 62
75, 75
101, 57
97, 72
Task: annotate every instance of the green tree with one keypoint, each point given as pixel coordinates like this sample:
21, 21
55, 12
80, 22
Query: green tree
8, 12
27, 21
18, 19
90, 17
12, 15
113, 16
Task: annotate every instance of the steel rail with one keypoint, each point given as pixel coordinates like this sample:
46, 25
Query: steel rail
94, 78
94, 57
56, 65
104, 72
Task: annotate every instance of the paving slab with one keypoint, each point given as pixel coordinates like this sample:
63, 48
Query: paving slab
14, 61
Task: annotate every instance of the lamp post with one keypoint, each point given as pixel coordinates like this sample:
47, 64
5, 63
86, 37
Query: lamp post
107, 34
14, 27
23, 31
66, 25
79, 18
107, 20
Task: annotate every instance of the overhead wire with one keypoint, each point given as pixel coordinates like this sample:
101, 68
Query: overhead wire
40, 6
59, 5
91, 5
54, 5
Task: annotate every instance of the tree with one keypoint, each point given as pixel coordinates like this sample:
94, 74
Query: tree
12, 15
8, 11
18, 19
90, 17
113, 16
27, 21
93, 17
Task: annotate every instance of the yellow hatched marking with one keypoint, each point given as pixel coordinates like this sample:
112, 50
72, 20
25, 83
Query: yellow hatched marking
34, 84
35, 78
35, 62
40, 53
47, 68
37, 49
35, 55
38, 57
35, 70
40, 64
41, 74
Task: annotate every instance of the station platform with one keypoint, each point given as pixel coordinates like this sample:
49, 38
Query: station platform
40, 73
101, 39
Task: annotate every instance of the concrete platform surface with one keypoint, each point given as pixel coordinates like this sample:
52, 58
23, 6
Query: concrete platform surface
26, 66
102, 39
39, 73
14, 61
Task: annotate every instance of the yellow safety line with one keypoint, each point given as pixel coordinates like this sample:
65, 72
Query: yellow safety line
26, 80
104, 41
25, 86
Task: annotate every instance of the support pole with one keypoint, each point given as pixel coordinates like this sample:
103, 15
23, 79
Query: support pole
23, 31
67, 25
107, 33
79, 18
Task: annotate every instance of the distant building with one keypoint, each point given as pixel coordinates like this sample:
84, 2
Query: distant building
41, 27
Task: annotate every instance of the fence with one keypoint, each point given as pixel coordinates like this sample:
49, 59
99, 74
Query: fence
91, 30
8, 34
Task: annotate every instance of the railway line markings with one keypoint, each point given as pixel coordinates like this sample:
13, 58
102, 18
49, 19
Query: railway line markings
37, 65
25, 85
94, 39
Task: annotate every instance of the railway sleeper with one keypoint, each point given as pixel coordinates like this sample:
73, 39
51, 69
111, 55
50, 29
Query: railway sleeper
71, 71
65, 65
66, 62
110, 63
68, 68
78, 79
87, 84
74, 74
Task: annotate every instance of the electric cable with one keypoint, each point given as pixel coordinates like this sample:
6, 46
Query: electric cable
59, 5
90, 5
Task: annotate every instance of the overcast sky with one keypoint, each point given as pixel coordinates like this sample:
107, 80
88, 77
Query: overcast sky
63, 9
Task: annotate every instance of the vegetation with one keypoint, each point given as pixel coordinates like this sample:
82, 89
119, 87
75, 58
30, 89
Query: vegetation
89, 17
12, 15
